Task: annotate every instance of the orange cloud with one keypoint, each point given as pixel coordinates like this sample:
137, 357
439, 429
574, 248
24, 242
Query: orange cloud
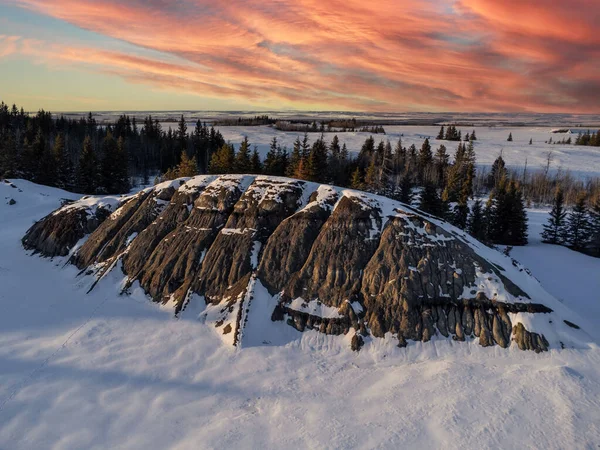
349, 54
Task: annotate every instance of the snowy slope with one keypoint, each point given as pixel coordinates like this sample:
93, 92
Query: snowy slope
110, 371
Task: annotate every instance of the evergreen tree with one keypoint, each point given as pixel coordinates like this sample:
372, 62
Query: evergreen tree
371, 177
317, 161
473, 136
187, 167
498, 172
440, 135
121, 173
424, 159
506, 215
594, 219
441, 161
87, 169
356, 179
64, 179
531, 141
242, 163
510, 138
405, 194
555, 230
295, 158
578, 225
430, 200
109, 163
222, 160
476, 222
255, 163
270, 164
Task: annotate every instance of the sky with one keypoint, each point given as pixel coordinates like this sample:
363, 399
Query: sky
333, 55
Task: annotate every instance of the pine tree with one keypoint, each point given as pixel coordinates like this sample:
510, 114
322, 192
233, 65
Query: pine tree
87, 169
187, 167
356, 180
476, 222
497, 173
371, 177
255, 163
424, 159
506, 215
295, 158
440, 135
242, 163
555, 230
473, 136
222, 160
441, 160
578, 225
108, 167
430, 200
121, 174
64, 178
594, 218
406, 190
510, 138
531, 141
270, 164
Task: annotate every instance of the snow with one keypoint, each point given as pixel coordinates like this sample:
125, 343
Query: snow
104, 370
491, 140
314, 308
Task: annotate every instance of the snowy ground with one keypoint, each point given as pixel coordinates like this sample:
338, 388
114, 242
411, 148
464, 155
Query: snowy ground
581, 161
105, 371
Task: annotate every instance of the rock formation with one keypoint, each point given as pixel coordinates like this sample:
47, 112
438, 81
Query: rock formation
338, 261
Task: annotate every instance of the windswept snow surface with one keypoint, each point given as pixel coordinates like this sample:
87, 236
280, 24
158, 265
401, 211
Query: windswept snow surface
109, 371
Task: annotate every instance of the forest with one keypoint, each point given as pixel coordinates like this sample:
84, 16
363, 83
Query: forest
83, 156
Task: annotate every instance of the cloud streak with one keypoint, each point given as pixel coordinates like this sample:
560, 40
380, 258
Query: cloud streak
389, 55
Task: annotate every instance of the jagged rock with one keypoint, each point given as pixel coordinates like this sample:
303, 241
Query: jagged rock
371, 265
468, 320
529, 341
57, 233
357, 342
442, 323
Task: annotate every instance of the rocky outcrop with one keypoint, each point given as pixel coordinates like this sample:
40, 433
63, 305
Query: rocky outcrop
59, 232
339, 261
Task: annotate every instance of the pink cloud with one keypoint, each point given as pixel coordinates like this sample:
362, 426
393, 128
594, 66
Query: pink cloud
330, 54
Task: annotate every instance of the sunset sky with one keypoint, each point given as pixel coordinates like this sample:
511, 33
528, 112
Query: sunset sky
357, 55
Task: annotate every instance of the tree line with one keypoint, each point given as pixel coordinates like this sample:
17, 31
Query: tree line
578, 228
82, 156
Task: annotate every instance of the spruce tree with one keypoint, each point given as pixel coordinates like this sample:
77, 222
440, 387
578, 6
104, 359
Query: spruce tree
594, 216
405, 194
498, 172
440, 135
356, 179
121, 174
430, 200
424, 160
255, 163
242, 163
222, 160
555, 230
87, 169
476, 222
578, 225
187, 167
510, 138
295, 158
270, 164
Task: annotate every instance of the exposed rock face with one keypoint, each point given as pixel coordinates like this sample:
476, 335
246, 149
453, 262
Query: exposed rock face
337, 260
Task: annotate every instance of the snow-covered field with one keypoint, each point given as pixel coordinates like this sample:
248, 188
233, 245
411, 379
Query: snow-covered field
108, 371
581, 161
